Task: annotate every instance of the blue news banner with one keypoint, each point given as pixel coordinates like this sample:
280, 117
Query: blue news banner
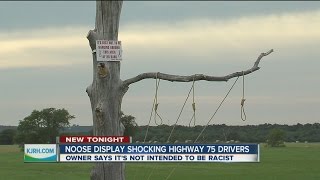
159, 153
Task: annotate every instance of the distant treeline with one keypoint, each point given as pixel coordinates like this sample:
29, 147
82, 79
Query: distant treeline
212, 134
7, 127
224, 133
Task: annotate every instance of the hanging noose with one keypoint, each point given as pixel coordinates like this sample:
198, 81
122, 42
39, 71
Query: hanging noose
243, 113
193, 107
156, 103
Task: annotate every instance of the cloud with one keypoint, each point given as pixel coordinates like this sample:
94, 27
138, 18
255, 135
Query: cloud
203, 39
44, 47
245, 34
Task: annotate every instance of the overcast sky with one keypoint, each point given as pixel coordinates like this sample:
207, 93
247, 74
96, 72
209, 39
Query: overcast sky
45, 59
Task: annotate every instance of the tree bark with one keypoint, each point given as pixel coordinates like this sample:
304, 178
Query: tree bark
106, 92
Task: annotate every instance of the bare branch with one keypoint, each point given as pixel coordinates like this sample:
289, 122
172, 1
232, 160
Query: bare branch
195, 77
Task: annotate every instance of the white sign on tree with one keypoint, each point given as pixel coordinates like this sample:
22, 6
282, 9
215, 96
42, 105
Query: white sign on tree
108, 50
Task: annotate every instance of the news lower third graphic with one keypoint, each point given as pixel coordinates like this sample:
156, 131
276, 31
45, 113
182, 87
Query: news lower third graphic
120, 149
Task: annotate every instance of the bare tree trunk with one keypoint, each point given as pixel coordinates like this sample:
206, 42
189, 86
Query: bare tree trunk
106, 92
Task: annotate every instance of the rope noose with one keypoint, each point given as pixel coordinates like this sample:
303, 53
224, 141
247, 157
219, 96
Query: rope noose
193, 106
243, 113
156, 103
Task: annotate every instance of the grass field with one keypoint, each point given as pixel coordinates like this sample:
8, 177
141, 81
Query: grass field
295, 162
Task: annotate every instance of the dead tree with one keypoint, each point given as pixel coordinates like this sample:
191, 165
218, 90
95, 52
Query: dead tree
107, 89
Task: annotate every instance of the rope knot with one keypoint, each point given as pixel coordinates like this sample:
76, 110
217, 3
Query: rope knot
242, 101
243, 113
156, 107
194, 106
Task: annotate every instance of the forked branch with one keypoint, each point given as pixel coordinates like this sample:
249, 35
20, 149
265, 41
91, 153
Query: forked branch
195, 77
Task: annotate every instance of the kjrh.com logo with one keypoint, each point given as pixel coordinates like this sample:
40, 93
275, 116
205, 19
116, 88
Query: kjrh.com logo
40, 153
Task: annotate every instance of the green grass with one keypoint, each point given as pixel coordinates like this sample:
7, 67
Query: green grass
295, 162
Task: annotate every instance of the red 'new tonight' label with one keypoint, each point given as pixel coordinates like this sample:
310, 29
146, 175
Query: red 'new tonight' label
95, 139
